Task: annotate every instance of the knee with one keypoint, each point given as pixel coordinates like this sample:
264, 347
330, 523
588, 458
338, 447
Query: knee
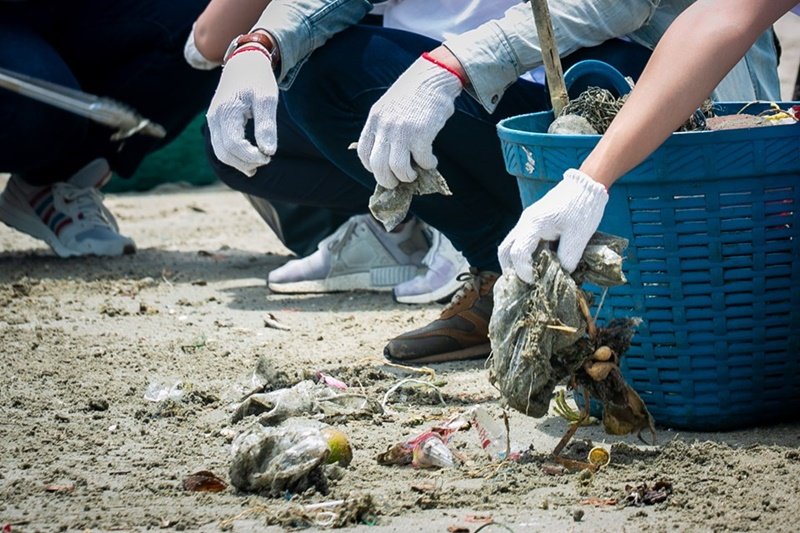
331, 83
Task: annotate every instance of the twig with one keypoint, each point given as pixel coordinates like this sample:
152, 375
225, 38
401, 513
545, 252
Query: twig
568, 329
498, 524
417, 370
508, 434
600, 305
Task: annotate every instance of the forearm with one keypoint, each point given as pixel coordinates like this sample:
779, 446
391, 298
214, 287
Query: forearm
716, 34
222, 21
496, 53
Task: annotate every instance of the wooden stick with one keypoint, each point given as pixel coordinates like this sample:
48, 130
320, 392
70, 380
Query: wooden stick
552, 62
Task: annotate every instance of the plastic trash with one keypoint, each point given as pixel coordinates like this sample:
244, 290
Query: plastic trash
160, 390
331, 381
538, 333
493, 436
290, 457
429, 450
303, 399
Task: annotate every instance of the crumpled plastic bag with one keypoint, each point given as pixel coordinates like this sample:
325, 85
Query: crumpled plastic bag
390, 206
304, 398
273, 460
538, 332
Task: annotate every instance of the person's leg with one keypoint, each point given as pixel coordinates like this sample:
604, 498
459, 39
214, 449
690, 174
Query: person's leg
299, 227
35, 137
485, 202
132, 51
304, 199
47, 197
301, 196
298, 173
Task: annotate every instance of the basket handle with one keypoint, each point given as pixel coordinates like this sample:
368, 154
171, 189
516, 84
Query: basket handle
609, 76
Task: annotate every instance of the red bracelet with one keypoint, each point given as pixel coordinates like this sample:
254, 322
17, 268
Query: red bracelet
249, 49
448, 68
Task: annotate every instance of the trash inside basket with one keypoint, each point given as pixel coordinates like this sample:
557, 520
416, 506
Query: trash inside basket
713, 264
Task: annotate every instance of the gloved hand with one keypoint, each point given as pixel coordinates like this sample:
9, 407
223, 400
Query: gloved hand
570, 211
193, 55
247, 90
403, 124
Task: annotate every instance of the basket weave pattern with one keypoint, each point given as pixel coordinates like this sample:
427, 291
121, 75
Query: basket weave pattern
713, 265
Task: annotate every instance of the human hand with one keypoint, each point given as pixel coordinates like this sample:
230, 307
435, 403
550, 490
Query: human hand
247, 90
571, 211
403, 123
194, 57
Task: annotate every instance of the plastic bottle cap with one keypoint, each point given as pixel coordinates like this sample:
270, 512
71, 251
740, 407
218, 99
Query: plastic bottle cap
599, 456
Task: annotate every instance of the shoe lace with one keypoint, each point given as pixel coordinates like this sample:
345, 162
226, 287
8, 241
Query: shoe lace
341, 236
85, 202
472, 283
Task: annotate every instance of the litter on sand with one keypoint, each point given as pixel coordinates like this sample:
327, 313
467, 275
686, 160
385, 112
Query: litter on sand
306, 398
543, 334
292, 457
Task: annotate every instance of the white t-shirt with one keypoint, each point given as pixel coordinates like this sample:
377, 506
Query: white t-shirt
441, 19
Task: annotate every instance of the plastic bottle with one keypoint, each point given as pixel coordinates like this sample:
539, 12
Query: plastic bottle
493, 437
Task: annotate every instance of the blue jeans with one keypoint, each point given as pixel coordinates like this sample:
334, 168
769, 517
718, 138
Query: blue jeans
311, 196
129, 50
329, 102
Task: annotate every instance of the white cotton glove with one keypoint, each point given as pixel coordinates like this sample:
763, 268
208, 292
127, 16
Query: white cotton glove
570, 211
247, 90
193, 55
403, 124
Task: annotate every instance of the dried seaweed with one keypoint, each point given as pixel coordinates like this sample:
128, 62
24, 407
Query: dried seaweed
599, 107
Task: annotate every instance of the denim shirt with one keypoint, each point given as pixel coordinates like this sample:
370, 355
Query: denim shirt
495, 54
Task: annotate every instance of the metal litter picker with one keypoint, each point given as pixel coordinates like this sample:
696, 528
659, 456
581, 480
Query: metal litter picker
105, 111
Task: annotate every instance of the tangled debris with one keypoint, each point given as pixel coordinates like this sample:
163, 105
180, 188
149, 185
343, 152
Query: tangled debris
305, 398
598, 107
543, 334
647, 495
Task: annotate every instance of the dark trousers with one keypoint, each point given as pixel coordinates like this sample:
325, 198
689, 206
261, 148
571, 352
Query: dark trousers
328, 105
128, 50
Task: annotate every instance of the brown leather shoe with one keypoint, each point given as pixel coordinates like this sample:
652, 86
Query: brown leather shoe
461, 331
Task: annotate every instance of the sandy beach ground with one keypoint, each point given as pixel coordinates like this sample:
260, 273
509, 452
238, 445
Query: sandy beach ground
82, 449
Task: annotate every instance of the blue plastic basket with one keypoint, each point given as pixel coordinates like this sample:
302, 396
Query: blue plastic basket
713, 264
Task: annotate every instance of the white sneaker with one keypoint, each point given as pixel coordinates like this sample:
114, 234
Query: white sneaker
360, 255
69, 216
439, 281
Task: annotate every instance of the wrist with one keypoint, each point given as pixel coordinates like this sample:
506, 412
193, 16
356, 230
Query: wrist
586, 182
259, 40
458, 72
